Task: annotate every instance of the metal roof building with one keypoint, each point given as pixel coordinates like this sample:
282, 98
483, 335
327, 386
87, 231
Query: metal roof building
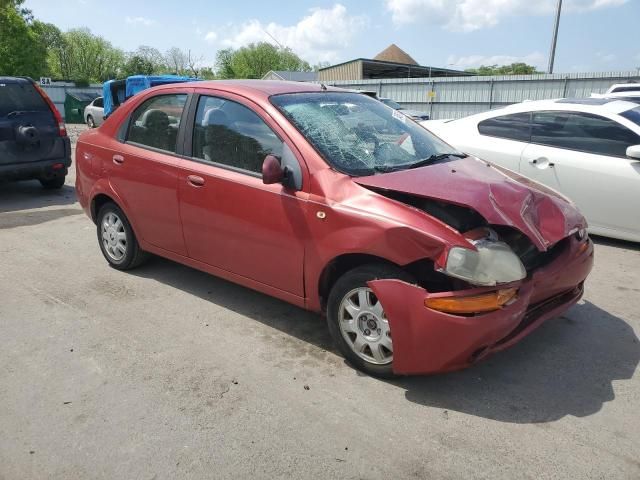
290, 75
392, 62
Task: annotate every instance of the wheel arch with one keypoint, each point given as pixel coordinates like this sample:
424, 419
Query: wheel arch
341, 264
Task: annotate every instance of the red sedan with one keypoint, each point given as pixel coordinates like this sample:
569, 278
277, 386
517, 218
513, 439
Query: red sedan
424, 259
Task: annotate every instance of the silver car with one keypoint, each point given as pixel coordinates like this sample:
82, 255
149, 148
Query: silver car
94, 113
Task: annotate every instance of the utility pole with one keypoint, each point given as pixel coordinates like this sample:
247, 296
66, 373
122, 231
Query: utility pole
554, 39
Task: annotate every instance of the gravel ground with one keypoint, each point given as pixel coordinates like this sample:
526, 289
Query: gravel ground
166, 372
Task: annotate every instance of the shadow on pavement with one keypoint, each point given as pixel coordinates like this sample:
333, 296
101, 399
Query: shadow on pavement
30, 194
613, 242
294, 321
564, 368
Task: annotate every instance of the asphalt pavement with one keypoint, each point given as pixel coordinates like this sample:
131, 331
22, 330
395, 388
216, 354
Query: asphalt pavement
167, 372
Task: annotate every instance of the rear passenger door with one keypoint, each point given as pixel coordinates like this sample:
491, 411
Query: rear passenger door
144, 170
231, 219
583, 156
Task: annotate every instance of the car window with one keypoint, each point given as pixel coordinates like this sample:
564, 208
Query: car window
633, 115
511, 127
20, 97
229, 133
584, 132
155, 123
98, 102
629, 88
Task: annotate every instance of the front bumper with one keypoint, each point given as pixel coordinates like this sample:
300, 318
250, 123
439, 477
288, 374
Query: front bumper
428, 341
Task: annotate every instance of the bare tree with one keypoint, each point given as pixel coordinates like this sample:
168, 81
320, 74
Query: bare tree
176, 60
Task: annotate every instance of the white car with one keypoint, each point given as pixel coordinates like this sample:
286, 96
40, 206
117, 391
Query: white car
587, 149
624, 88
94, 113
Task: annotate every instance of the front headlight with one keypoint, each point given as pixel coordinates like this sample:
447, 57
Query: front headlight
494, 262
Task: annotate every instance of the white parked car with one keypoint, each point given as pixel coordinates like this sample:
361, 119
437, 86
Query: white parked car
624, 88
94, 113
587, 149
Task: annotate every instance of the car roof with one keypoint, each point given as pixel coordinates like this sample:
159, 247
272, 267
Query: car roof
588, 105
14, 79
259, 88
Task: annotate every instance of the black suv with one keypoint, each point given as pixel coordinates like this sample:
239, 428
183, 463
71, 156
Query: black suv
33, 137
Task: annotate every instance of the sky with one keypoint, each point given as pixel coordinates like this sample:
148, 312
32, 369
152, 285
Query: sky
595, 35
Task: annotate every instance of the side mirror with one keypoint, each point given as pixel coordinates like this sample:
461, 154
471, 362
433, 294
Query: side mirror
634, 152
272, 171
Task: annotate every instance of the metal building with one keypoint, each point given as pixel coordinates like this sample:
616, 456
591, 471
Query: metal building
455, 97
392, 62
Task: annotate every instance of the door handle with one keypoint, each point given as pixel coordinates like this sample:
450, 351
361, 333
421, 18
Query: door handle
118, 159
195, 180
541, 163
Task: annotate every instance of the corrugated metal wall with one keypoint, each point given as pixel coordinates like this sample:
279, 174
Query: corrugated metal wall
57, 93
346, 71
455, 97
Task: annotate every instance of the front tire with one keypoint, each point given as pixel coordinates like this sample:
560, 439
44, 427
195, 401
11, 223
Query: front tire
357, 321
117, 241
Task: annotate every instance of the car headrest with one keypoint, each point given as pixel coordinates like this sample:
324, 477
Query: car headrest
155, 118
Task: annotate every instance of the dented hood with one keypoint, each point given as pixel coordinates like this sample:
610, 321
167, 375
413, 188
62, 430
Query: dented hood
502, 197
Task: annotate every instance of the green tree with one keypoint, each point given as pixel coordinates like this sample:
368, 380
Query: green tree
223, 63
207, 73
83, 56
137, 65
22, 53
256, 59
518, 68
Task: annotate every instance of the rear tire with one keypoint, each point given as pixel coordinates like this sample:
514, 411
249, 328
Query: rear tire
357, 322
52, 183
117, 241
90, 122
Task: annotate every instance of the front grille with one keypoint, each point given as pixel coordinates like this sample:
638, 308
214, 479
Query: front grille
536, 310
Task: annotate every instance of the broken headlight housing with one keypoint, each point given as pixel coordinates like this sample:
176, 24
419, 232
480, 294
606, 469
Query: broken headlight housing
491, 264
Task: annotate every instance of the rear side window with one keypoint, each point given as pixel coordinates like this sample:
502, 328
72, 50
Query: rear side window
511, 127
20, 97
584, 132
99, 102
633, 115
229, 133
628, 88
155, 123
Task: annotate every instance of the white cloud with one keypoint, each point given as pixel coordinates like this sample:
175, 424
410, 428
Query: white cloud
211, 37
470, 15
317, 37
147, 22
536, 59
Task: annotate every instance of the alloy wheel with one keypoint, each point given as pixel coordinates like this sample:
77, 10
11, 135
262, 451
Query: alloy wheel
365, 327
114, 236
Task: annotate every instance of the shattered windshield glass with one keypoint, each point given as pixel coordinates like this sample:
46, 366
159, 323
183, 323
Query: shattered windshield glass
360, 136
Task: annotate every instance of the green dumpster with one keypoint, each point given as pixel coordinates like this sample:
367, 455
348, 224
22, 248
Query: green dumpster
74, 104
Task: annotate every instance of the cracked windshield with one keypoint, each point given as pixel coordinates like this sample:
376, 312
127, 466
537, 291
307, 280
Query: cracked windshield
360, 136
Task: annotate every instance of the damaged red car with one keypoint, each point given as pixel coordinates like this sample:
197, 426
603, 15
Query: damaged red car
423, 259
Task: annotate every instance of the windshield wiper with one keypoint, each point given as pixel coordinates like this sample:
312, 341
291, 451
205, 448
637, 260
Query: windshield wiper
436, 158
389, 168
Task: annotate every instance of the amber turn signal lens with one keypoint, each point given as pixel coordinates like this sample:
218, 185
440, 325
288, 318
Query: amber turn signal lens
485, 302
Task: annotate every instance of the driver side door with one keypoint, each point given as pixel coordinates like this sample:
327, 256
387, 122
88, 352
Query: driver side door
231, 220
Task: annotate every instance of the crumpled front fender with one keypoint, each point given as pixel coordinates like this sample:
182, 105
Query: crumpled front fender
428, 341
